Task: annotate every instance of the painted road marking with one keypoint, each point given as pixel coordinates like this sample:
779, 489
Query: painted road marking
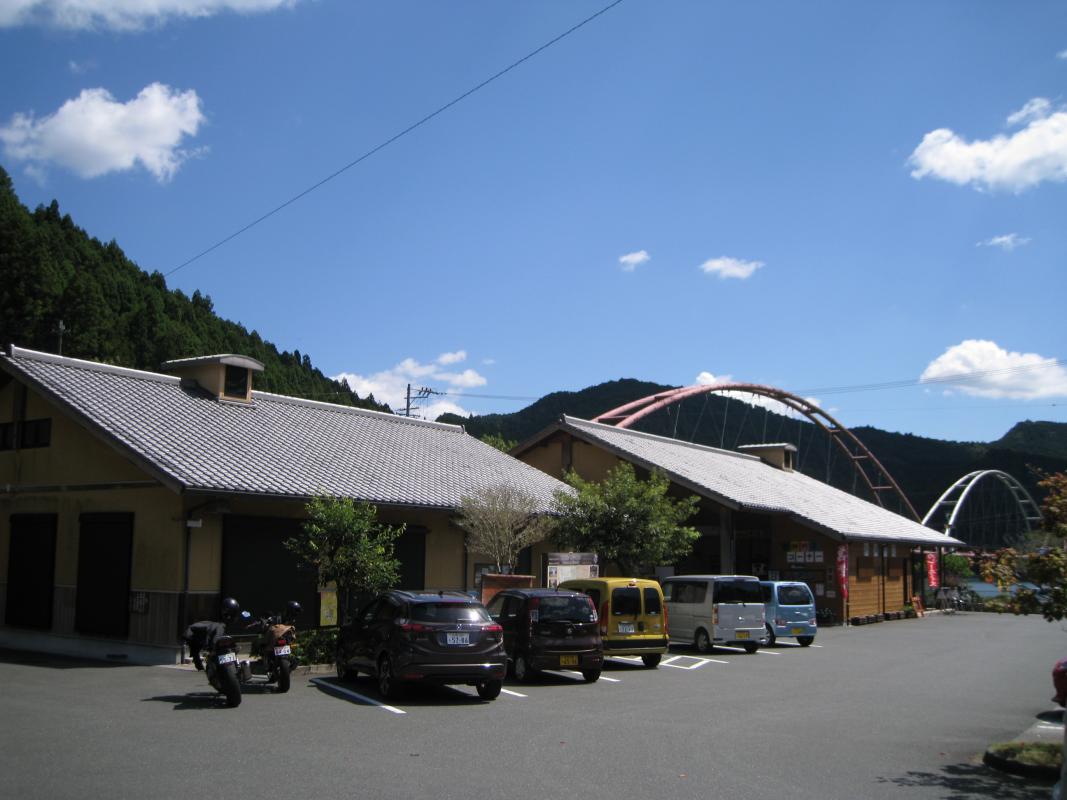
700, 662
814, 645
513, 694
569, 672
332, 687
632, 659
768, 652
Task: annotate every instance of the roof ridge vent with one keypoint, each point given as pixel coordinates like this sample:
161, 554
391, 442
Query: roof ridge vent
782, 455
227, 376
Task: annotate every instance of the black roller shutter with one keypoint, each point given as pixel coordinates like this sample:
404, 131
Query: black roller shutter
105, 551
31, 567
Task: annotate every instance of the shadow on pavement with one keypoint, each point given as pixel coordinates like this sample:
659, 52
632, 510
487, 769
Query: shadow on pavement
196, 701
52, 661
1055, 717
969, 781
412, 694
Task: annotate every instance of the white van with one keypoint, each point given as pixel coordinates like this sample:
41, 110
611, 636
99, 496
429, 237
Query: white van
706, 610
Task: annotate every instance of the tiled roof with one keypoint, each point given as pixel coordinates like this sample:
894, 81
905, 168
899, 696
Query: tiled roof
276, 446
745, 482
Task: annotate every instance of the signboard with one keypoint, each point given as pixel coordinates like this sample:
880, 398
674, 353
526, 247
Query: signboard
328, 607
842, 570
932, 578
570, 566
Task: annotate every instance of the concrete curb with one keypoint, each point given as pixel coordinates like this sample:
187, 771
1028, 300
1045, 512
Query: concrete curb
1049, 729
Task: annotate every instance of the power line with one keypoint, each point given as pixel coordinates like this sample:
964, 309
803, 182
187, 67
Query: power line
395, 137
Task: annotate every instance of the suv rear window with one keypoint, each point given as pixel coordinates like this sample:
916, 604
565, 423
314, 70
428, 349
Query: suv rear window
794, 596
565, 609
625, 601
737, 592
448, 612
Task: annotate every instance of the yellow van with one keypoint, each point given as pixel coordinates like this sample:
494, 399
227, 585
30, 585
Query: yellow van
632, 614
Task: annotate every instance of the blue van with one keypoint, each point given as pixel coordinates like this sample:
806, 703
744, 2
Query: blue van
790, 611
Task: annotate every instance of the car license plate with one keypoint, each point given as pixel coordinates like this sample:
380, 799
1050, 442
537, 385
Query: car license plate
457, 638
797, 631
228, 658
626, 627
568, 661
741, 634
282, 651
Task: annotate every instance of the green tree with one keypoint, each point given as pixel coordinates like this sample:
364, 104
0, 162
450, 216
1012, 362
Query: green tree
344, 540
499, 442
500, 521
632, 522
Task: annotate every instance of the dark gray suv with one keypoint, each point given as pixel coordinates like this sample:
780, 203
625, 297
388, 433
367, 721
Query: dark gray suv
437, 637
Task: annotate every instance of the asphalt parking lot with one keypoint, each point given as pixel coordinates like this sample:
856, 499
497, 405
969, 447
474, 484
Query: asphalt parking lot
897, 710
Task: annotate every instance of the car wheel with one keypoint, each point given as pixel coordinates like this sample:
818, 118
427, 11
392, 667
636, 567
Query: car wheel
805, 641
590, 675
490, 690
651, 660
387, 686
702, 642
344, 672
751, 647
771, 638
523, 671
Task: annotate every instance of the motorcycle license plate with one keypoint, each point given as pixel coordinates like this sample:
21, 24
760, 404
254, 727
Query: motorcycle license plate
457, 638
283, 651
228, 658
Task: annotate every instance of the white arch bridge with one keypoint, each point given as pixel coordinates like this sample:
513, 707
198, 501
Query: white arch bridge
985, 508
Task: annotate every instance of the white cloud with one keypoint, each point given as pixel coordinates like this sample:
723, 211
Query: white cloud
79, 67
984, 369
121, 15
390, 386
1006, 242
488, 361
1062, 55
94, 134
754, 400
1035, 108
1036, 153
632, 261
726, 267
452, 358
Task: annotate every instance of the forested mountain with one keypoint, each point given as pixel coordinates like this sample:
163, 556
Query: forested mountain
923, 467
115, 312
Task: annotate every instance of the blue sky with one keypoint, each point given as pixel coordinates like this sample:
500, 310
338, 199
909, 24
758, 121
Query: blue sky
802, 195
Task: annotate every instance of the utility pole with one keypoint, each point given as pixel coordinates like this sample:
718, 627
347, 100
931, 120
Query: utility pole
61, 329
421, 393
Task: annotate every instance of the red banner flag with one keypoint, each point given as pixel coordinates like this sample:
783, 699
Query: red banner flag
932, 579
842, 570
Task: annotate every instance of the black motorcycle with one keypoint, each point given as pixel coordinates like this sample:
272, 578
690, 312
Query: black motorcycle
274, 647
224, 673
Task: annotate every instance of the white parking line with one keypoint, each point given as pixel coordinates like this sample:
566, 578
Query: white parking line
514, 694
700, 662
632, 659
332, 687
570, 672
815, 645
768, 652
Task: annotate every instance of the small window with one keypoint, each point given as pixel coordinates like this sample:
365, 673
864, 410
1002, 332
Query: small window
625, 602
36, 433
652, 603
236, 382
7, 436
566, 608
496, 605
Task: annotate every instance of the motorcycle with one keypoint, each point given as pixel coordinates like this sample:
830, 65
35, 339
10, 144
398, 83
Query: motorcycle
224, 673
274, 647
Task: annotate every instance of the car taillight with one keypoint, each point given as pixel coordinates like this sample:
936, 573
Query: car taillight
666, 621
813, 621
413, 630
780, 623
281, 643
604, 618
493, 633
532, 610
715, 614
592, 608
